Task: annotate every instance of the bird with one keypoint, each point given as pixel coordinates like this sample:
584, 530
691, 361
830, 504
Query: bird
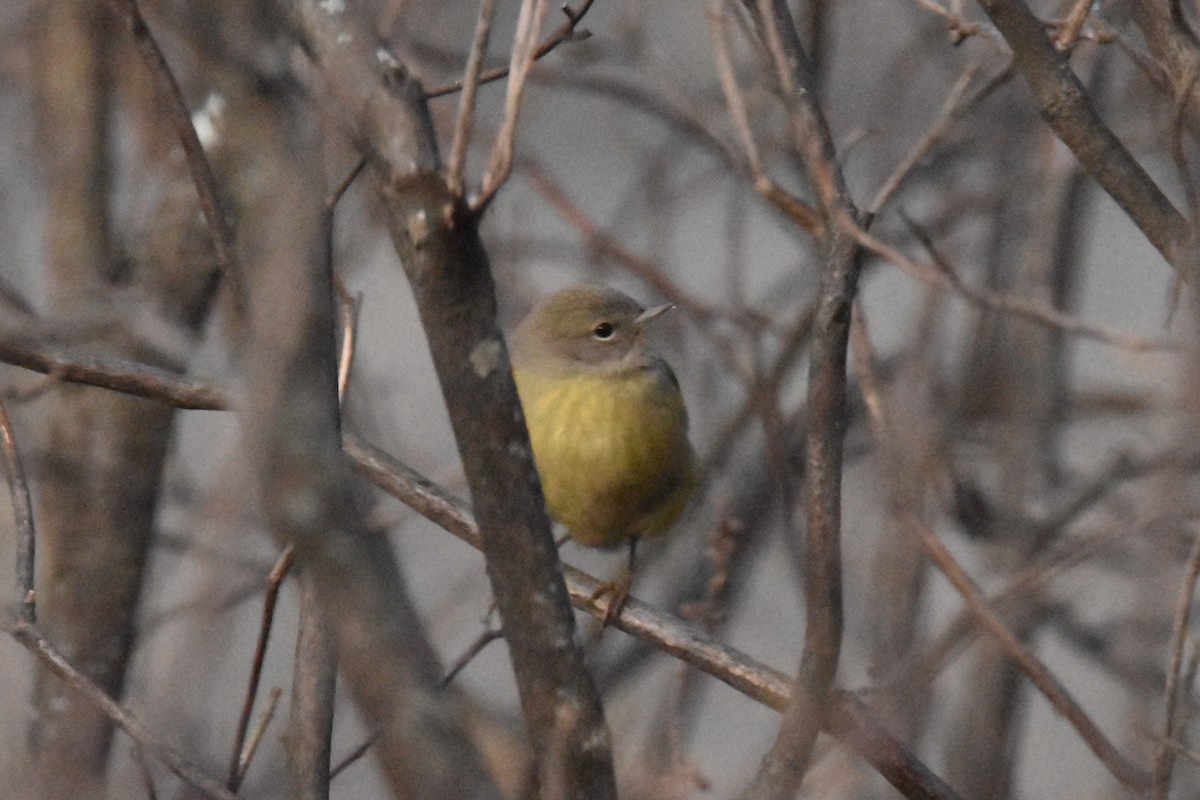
606, 419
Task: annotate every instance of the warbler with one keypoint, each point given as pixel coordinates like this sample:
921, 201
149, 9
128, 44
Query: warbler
605, 416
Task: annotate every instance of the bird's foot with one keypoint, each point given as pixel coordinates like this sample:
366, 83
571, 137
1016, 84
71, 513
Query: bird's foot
617, 594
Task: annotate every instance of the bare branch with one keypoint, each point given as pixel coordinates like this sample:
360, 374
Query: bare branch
945, 278
476, 647
529, 26
353, 756
205, 181
33, 640
606, 243
438, 241
1164, 759
955, 106
23, 512
310, 730
784, 766
466, 106
1067, 108
348, 313
39, 351
283, 566
246, 757
566, 32
1068, 34
1121, 768
849, 719
766, 186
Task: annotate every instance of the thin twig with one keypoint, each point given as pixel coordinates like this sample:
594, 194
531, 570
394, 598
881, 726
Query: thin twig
943, 278
1068, 33
348, 309
793, 341
466, 104
485, 638
1122, 769
960, 631
344, 184
802, 213
353, 755
956, 104
41, 354
606, 243
566, 32
529, 26
1164, 760
274, 581
264, 719
23, 514
636, 95
1178, 748
958, 25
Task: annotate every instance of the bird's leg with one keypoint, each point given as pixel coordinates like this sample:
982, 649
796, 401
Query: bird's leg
618, 590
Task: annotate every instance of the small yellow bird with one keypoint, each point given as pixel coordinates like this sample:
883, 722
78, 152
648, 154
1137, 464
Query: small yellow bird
606, 418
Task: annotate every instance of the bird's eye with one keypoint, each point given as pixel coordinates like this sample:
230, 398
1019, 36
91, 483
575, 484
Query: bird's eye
603, 331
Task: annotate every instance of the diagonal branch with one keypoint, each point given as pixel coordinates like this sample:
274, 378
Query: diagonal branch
32, 639
203, 177
1067, 108
987, 616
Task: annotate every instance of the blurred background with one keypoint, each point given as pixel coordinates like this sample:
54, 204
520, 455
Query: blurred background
1033, 353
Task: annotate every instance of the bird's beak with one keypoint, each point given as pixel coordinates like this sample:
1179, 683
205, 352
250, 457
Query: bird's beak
653, 313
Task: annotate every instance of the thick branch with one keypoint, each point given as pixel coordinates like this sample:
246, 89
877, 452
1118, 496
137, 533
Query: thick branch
448, 270
291, 420
1065, 105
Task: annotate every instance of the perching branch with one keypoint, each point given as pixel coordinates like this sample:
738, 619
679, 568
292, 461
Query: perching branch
849, 719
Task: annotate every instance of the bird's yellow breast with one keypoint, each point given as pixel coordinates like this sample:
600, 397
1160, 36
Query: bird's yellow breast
611, 449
